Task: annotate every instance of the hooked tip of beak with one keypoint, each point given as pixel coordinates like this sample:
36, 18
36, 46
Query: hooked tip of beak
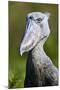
21, 51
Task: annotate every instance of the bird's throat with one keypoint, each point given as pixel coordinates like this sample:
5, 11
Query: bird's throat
38, 53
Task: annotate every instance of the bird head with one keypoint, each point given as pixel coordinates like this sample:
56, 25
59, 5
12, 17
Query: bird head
37, 29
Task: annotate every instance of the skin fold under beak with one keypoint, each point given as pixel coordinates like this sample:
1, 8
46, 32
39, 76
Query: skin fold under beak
30, 38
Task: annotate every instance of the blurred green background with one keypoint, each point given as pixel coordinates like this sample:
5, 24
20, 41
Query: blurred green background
17, 23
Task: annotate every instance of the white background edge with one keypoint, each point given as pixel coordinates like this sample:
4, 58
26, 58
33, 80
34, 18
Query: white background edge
4, 43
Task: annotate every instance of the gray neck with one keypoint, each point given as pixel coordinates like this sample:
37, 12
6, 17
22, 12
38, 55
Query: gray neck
38, 54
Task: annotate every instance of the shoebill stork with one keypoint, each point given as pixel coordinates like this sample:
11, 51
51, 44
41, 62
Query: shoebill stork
40, 71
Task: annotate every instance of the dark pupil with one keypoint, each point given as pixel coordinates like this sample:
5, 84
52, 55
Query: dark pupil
31, 17
39, 19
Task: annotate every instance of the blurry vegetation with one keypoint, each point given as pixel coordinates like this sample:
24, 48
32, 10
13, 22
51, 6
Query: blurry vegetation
17, 23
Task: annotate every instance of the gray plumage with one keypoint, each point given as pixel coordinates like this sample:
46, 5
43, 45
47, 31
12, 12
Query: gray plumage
40, 70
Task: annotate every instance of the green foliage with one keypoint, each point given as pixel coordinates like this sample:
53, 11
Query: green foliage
17, 22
